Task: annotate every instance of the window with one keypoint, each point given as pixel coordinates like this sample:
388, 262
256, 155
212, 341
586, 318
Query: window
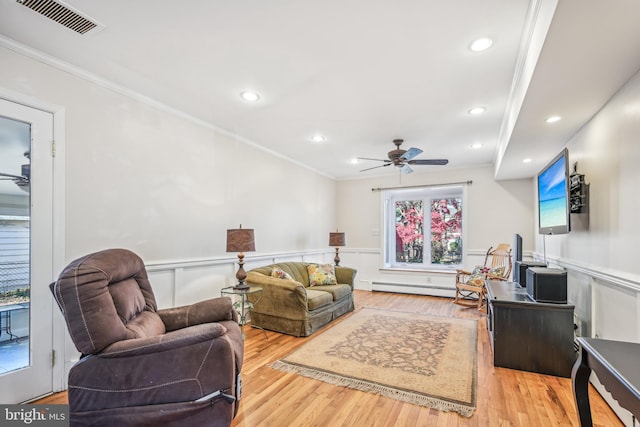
423, 227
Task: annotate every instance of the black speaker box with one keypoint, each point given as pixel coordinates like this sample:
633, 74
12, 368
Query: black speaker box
520, 271
547, 284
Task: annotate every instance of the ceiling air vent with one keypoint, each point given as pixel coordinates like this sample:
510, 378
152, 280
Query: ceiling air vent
62, 14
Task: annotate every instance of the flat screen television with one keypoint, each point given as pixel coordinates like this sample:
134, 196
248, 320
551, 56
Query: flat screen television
553, 196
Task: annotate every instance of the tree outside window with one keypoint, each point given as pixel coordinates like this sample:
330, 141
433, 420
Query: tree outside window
446, 231
409, 231
412, 214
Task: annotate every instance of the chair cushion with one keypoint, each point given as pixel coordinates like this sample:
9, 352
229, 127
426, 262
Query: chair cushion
321, 274
317, 299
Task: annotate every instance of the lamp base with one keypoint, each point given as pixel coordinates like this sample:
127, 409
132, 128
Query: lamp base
241, 275
241, 286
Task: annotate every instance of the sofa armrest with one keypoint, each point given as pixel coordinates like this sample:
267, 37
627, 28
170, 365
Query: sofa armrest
207, 311
280, 297
346, 275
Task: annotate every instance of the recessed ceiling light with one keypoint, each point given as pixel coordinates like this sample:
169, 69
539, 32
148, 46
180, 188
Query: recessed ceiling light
354, 161
476, 146
483, 43
318, 137
477, 110
527, 160
249, 96
553, 119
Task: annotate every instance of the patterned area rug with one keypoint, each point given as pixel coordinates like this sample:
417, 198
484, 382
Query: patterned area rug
426, 360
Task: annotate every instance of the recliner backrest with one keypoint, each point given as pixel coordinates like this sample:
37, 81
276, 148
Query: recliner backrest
106, 297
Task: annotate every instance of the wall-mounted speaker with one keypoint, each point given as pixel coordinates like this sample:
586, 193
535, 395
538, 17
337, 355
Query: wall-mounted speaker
520, 271
547, 284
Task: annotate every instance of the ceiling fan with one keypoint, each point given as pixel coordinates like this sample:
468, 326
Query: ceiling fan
403, 158
22, 181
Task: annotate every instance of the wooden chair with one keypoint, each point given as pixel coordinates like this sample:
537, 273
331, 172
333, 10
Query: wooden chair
471, 285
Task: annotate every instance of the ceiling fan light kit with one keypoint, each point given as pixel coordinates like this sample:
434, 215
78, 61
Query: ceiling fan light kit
403, 158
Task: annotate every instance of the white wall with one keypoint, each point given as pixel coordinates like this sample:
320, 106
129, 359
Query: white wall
166, 186
601, 251
495, 211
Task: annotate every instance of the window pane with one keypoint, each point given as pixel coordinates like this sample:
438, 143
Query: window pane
409, 231
446, 231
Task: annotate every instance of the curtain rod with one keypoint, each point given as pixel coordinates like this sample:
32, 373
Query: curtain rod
421, 186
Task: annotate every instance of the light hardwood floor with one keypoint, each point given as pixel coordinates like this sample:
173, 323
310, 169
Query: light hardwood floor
505, 397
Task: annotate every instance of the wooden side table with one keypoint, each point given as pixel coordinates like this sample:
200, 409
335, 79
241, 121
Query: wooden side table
242, 303
616, 365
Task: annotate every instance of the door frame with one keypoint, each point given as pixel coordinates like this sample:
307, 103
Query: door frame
59, 335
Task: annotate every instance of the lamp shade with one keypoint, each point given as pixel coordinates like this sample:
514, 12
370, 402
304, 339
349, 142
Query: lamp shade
240, 240
336, 239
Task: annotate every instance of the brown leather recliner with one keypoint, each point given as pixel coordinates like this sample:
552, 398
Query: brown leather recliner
141, 366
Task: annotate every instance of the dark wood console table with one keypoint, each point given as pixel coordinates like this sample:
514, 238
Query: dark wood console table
529, 335
616, 365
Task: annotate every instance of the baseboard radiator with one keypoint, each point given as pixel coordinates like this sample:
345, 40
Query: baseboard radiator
412, 288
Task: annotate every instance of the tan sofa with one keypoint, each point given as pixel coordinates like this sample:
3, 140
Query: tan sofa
295, 308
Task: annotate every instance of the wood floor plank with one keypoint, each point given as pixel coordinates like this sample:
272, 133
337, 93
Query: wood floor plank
505, 397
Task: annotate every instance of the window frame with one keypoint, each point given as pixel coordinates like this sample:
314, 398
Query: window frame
425, 193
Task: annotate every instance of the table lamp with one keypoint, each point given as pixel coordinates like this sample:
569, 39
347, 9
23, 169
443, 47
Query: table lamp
336, 239
241, 240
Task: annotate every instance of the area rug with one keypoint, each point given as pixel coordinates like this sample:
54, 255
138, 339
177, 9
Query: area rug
421, 359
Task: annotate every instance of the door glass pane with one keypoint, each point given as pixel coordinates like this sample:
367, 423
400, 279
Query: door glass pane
15, 233
409, 231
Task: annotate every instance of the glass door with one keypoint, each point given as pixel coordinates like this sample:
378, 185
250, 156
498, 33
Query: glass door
26, 236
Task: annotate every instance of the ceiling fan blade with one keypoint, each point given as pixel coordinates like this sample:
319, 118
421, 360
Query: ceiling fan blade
375, 167
440, 162
405, 169
377, 160
411, 153
12, 176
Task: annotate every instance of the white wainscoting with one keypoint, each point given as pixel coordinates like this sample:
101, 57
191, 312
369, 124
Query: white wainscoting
182, 282
607, 306
177, 283
371, 276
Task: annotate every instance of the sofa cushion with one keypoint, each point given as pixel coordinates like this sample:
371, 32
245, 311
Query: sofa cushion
317, 299
337, 291
280, 274
321, 274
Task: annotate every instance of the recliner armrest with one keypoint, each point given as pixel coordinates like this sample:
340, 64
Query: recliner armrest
207, 311
171, 340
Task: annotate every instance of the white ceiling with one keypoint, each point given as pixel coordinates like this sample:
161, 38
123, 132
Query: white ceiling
361, 72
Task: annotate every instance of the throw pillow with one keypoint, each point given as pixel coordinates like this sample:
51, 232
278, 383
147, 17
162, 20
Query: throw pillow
497, 271
321, 274
477, 269
280, 273
476, 280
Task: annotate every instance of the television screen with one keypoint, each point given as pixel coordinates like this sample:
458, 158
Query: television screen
553, 196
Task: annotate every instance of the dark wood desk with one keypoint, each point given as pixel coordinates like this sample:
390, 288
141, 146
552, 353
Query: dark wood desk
529, 335
616, 365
